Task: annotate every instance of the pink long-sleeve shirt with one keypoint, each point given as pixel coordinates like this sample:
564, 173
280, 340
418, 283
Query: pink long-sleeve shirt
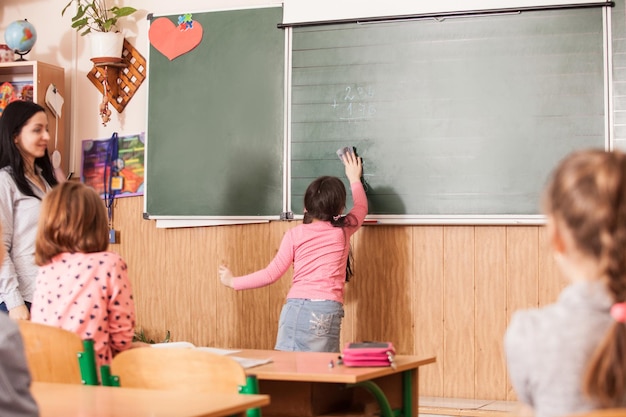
88, 294
318, 252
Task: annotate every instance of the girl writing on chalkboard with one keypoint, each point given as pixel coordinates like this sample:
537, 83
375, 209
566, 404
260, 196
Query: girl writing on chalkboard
82, 287
569, 357
318, 249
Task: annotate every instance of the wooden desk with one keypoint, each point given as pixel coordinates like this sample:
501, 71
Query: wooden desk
303, 383
67, 400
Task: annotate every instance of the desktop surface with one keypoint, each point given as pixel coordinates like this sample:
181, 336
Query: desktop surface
316, 366
74, 400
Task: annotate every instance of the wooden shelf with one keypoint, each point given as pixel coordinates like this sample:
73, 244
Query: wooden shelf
123, 78
41, 75
111, 64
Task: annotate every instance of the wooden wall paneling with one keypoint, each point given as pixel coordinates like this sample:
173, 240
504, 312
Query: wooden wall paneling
174, 286
442, 290
459, 326
551, 282
133, 250
203, 300
258, 250
383, 286
227, 301
259, 308
428, 305
348, 326
141, 246
490, 312
522, 273
241, 248
277, 291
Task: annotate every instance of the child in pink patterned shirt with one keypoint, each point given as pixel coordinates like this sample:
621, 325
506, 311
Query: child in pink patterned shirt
81, 287
319, 250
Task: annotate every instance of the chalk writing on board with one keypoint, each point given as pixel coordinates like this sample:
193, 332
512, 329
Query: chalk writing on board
354, 103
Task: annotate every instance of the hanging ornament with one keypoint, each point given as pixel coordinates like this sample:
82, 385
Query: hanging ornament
105, 112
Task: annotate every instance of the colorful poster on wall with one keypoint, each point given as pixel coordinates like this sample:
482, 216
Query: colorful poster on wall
129, 163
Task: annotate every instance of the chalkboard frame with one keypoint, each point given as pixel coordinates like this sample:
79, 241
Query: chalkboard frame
532, 216
255, 91
461, 219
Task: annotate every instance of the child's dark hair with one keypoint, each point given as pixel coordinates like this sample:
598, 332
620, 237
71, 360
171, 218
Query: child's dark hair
587, 195
325, 200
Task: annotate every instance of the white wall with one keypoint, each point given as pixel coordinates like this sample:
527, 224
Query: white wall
324, 10
58, 44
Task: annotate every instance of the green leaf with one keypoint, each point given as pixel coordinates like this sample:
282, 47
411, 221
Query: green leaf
123, 11
66, 6
79, 24
93, 15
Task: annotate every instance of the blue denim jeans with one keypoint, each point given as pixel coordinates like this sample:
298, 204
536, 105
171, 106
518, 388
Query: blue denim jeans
309, 326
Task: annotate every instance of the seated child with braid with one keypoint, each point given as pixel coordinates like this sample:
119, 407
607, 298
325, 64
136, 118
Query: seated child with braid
570, 357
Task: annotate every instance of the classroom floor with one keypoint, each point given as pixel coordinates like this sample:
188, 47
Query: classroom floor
453, 407
446, 407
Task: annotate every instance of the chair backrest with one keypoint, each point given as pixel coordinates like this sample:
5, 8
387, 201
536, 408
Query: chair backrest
51, 353
178, 369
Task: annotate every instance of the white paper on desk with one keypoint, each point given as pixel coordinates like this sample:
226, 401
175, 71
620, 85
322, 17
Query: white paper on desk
217, 351
249, 362
190, 345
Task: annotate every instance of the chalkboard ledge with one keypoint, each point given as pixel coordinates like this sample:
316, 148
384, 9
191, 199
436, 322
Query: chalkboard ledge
372, 220
469, 220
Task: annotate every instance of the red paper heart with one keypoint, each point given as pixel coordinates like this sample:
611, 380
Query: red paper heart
170, 40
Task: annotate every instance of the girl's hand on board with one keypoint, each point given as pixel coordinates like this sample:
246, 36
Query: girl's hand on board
354, 166
226, 276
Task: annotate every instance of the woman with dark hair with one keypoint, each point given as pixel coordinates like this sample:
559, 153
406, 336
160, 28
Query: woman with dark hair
26, 175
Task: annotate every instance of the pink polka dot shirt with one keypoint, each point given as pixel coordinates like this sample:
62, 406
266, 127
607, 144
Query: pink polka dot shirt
88, 294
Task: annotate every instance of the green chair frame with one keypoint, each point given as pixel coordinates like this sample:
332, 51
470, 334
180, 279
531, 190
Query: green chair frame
87, 364
251, 387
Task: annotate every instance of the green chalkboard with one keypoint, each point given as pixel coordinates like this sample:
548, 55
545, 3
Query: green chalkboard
215, 134
460, 116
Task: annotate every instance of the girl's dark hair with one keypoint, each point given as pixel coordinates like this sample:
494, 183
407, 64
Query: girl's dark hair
325, 200
12, 121
587, 195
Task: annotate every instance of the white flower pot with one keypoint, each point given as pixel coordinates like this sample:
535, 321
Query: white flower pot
106, 44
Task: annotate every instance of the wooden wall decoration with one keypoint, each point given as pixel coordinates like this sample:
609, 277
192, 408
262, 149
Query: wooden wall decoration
123, 79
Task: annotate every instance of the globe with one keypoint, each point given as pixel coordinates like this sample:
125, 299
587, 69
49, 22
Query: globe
20, 36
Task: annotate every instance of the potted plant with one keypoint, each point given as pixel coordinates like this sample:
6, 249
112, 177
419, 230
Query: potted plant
95, 18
